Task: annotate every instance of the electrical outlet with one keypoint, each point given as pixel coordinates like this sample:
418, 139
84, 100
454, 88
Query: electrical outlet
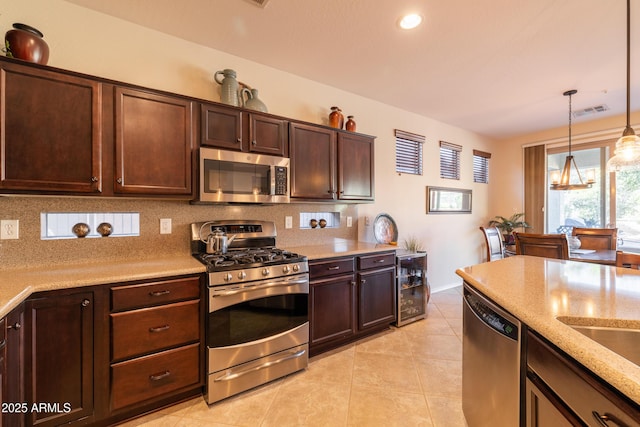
367, 222
349, 221
9, 229
165, 226
288, 222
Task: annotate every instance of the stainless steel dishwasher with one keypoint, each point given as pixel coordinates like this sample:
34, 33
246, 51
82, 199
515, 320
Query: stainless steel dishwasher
491, 369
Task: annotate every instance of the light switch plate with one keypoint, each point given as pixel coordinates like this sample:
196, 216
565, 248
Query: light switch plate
165, 226
9, 229
288, 222
349, 221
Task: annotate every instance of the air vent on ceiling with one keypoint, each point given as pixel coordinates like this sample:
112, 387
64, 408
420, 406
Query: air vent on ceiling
260, 3
590, 110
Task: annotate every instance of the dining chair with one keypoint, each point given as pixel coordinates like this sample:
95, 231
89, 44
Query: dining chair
628, 260
493, 240
596, 238
542, 245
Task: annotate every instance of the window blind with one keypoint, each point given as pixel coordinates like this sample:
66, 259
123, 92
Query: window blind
450, 160
481, 166
409, 152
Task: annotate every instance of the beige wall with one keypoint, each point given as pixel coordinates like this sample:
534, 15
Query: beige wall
85, 41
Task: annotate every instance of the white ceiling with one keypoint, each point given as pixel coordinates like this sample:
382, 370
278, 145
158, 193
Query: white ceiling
496, 67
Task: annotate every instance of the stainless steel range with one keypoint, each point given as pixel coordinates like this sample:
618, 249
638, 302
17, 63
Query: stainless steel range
258, 323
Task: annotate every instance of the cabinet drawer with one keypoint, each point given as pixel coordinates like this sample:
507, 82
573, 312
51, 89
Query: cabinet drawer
150, 329
385, 259
330, 267
150, 376
154, 293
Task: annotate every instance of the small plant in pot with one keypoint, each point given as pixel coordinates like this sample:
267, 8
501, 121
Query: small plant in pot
507, 225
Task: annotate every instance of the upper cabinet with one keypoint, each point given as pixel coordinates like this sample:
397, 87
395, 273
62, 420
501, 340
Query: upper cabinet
330, 165
65, 133
234, 129
153, 143
51, 131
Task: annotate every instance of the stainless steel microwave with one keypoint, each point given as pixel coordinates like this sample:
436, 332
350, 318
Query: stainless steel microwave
235, 177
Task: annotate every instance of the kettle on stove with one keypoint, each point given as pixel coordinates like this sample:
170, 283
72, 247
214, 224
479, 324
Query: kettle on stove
218, 241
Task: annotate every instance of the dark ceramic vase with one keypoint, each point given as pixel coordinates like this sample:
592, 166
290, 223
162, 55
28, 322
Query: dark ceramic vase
26, 43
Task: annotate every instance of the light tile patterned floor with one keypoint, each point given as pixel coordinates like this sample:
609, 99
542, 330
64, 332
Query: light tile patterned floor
409, 376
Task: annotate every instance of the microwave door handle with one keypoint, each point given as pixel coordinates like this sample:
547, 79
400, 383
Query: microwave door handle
272, 180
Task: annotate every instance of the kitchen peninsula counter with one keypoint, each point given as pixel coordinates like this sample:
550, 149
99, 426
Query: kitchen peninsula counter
16, 285
340, 247
540, 291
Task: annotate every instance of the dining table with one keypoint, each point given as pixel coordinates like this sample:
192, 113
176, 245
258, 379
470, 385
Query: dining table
596, 256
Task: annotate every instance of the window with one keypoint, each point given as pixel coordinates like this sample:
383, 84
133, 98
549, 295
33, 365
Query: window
614, 200
481, 166
450, 160
409, 152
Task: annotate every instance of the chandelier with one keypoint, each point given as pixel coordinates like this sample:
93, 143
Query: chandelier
563, 181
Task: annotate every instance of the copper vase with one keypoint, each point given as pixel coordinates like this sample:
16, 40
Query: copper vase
26, 43
351, 124
336, 119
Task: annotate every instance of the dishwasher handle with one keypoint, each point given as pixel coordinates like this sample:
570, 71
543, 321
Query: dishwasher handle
491, 316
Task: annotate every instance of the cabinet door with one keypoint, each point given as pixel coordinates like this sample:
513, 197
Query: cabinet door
59, 358
544, 409
331, 308
376, 298
313, 162
153, 143
51, 130
355, 167
221, 127
13, 377
267, 135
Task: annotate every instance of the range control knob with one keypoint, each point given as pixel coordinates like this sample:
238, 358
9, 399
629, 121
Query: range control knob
286, 269
296, 268
265, 272
228, 277
242, 275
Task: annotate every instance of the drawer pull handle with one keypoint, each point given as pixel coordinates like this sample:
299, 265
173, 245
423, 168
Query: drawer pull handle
16, 326
230, 375
379, 261
337, 267
602, 419
159, 293
159, 328
161, 376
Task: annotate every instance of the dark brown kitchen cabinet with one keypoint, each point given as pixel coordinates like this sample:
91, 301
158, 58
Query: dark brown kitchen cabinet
59, 358
156, 342
332, 298
153, 143
51, 131
231, 128
13, 374
376, 290
313, 162
350, 298
330, 165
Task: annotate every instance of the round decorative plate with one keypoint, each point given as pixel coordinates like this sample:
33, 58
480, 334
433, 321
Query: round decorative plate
385, 229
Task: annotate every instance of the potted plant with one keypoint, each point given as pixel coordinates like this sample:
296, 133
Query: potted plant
507, 225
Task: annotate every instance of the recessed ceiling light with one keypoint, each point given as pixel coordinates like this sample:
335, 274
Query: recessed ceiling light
410, 21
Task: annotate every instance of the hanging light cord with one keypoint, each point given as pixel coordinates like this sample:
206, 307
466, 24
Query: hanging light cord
570, 122
628, 130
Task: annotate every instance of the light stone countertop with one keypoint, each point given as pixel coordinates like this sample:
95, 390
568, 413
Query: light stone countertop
538, 291
339, 247
18, 284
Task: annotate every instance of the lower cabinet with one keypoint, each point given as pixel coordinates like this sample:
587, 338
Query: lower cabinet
349, 298
71, 358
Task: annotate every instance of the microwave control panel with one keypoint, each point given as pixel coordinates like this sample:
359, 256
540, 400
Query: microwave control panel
281, 180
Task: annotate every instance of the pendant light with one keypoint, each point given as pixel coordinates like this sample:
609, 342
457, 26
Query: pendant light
564, 182
627, 152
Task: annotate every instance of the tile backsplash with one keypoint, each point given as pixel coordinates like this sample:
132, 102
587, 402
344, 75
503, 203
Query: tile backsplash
31, 250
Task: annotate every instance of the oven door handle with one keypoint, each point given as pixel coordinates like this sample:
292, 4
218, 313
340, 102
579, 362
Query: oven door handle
233, 375
262, 287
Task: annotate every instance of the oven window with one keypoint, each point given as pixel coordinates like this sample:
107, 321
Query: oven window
223, 177
257, 319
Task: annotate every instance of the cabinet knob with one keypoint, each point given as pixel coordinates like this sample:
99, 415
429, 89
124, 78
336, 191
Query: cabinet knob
238, 140
15, 326
254, 142
363, 281
119, 180
94, 179
353, 283
85, 302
